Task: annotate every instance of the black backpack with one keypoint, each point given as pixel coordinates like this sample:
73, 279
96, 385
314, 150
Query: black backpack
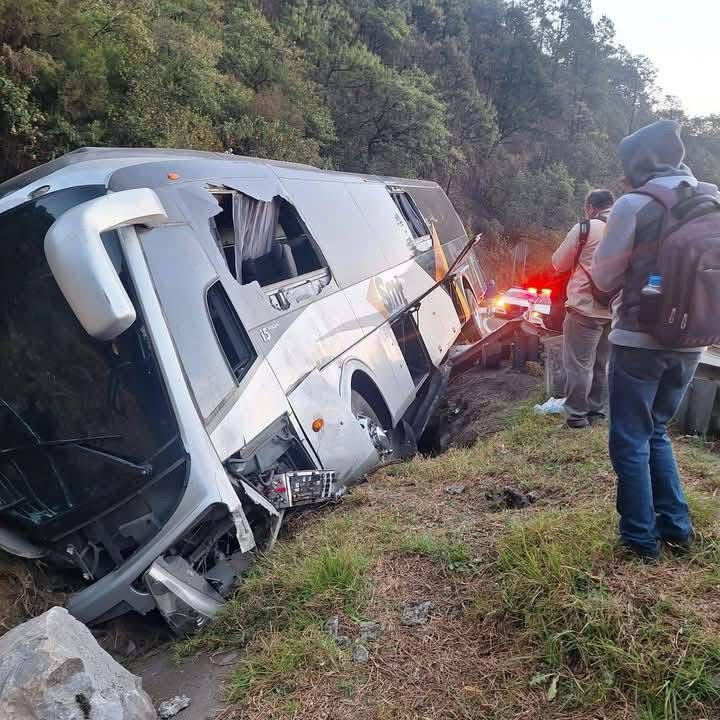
688, 259
600, 296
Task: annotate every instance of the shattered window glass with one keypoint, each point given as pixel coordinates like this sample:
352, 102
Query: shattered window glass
83, 423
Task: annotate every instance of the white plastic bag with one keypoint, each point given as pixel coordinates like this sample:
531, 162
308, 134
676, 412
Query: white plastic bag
553, 406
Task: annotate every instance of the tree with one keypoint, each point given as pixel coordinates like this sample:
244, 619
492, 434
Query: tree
514, 106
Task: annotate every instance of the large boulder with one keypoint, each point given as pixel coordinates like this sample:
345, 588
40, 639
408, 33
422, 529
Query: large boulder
51, 668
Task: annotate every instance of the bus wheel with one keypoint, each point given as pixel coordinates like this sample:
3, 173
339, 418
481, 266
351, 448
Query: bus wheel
473, 329
368, 418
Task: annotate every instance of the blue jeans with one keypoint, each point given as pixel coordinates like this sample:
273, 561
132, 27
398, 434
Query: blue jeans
646, 389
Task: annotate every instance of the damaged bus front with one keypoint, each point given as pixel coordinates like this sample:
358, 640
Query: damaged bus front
166, 394
94, 462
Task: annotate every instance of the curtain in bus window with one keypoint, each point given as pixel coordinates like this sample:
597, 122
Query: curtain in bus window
255, 223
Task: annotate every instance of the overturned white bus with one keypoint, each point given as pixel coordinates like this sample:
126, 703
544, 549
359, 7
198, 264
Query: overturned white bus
192, 343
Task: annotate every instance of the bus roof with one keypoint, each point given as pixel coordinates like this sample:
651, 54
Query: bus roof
95, 166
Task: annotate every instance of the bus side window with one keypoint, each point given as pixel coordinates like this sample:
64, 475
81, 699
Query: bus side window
276, 247
409, 211
291, 231
224, 228
231, 335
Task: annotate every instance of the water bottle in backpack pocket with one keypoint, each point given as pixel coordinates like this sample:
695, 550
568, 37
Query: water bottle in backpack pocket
680, 304
651, 298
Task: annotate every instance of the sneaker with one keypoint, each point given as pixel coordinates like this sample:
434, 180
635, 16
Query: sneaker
679, 546
597, 418
632, 551
577, 423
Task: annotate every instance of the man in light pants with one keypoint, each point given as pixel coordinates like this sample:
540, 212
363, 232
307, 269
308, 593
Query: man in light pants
587, 324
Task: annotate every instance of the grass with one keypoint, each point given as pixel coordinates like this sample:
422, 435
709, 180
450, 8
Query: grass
278, 657
322, 572
451, 553
278, 614
601, 642
23, 591
535, 614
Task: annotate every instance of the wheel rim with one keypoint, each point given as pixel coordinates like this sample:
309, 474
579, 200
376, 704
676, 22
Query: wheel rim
378, 437
370, 423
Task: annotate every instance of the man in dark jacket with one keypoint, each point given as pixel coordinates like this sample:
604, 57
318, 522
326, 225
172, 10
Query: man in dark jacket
647, 380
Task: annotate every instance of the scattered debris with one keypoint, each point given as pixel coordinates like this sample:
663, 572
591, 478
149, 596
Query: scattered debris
553, 406
52, 666
535, 369
343, 641
170, 708
332, 627
415, 613
510, 498
455, 489
360, 654
370, 631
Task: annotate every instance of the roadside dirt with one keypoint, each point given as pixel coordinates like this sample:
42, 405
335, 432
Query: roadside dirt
201, 678
481, 402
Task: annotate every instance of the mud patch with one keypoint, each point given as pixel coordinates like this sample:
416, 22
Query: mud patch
509, 498
481, 402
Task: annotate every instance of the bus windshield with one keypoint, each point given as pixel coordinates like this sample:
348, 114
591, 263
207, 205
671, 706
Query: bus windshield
84, 424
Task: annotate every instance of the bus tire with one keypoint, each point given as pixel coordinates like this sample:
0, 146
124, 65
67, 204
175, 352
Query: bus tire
380, 436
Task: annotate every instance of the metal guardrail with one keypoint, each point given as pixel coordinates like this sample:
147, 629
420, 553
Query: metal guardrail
518, 340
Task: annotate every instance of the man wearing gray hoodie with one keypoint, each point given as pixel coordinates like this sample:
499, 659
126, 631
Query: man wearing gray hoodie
647, 381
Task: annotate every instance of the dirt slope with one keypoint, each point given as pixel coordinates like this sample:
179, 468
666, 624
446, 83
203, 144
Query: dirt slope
533, 613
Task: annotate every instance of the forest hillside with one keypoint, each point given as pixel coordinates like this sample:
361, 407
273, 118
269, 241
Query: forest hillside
514, 107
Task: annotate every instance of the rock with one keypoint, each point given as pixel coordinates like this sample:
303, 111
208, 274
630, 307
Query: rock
332, 627
343, 641
360, 654
509, 498
515, 498
415, 613
170, 708
455, 489
224, 659
370, 631
52, 667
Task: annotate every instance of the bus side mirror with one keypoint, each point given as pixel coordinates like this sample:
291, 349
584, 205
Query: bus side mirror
81, 265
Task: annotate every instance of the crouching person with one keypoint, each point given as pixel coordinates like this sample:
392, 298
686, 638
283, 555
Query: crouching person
587, 322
